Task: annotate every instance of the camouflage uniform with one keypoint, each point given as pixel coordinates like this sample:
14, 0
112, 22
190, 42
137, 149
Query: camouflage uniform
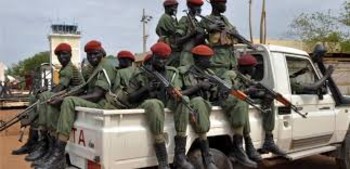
67, 113
222, 44
166, 30
119, 89
199, 101
184, 28
70, 77
156, 101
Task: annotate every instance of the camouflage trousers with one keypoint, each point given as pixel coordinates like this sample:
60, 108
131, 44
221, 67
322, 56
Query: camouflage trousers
67, 115
236, 112
154, 110
32, 99
268, 122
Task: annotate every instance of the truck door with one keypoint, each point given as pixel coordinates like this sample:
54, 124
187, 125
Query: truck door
319, 126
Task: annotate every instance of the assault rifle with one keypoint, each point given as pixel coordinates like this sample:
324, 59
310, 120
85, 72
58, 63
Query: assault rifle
231, 32
159, 77
232, 90
278, 96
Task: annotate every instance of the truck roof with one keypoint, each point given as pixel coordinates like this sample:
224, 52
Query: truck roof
275, 48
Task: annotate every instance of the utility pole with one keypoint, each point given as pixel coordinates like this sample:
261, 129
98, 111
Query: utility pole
145, 19
263, 28
250, 21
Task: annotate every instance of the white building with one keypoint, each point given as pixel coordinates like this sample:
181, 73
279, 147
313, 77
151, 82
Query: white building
65, 34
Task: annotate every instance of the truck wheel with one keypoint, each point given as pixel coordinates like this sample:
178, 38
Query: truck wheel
344, 161
220, 159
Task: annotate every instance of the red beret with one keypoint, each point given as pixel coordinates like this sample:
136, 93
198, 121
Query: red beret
215, 1
161, 49
126, 54
93, 45
196, 2
203, 50
63, 47
247, 60
170, 2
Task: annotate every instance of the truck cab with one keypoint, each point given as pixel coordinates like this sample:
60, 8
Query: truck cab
121, 139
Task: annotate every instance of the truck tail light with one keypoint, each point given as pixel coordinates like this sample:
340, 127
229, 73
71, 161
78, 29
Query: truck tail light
93, 165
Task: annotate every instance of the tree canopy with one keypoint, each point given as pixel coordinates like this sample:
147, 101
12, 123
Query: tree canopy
28, 65
328, 28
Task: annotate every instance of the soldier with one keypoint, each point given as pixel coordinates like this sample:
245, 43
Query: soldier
146, 92
190, 32
117, 97
220, 38
247, 65
166, 30
97, 86
69, 77
199, 90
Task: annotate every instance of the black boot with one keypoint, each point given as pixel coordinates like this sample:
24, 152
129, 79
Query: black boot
28, 146
250, 149
239, 154
162, 156
180, 160
47, 155
270, 146
207, 158
40, 148
57, 159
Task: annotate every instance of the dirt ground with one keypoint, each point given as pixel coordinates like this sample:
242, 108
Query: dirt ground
8, 142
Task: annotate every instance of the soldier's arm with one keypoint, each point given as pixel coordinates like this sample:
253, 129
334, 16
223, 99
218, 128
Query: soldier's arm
136, 91
65, 78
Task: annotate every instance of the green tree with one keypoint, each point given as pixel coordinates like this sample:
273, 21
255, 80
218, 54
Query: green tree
344, 17
314, 26
29, 64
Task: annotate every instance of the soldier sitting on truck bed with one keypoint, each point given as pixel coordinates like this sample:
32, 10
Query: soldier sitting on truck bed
246, 66
97, 86
146, 92
69, 77
117, 97
199, 90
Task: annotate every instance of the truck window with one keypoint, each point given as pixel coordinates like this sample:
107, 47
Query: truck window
301, 73
259, 68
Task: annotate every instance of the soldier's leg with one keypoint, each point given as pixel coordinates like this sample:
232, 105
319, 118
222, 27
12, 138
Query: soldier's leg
154, 110
33, 133
236, 112
269, 144
249, 146
45, 140
181, 118
64, 127
201, 127
52, 114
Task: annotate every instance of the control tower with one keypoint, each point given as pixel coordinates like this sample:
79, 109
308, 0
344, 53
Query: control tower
68, 34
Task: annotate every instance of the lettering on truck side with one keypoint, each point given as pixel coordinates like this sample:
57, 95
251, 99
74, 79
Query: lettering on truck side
81, 137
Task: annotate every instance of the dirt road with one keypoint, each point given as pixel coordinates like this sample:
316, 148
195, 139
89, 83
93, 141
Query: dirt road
8, 141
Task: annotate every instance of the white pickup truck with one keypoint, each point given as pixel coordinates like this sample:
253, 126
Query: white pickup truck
112, 139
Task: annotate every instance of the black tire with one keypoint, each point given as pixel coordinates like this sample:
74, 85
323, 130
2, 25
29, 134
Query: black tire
220, 159
344, 161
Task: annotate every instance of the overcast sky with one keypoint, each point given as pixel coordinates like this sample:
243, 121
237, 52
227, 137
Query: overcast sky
24, 25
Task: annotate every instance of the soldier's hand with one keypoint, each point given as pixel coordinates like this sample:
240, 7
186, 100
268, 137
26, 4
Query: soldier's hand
56, 101
215, 27
154, 85
205, 85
